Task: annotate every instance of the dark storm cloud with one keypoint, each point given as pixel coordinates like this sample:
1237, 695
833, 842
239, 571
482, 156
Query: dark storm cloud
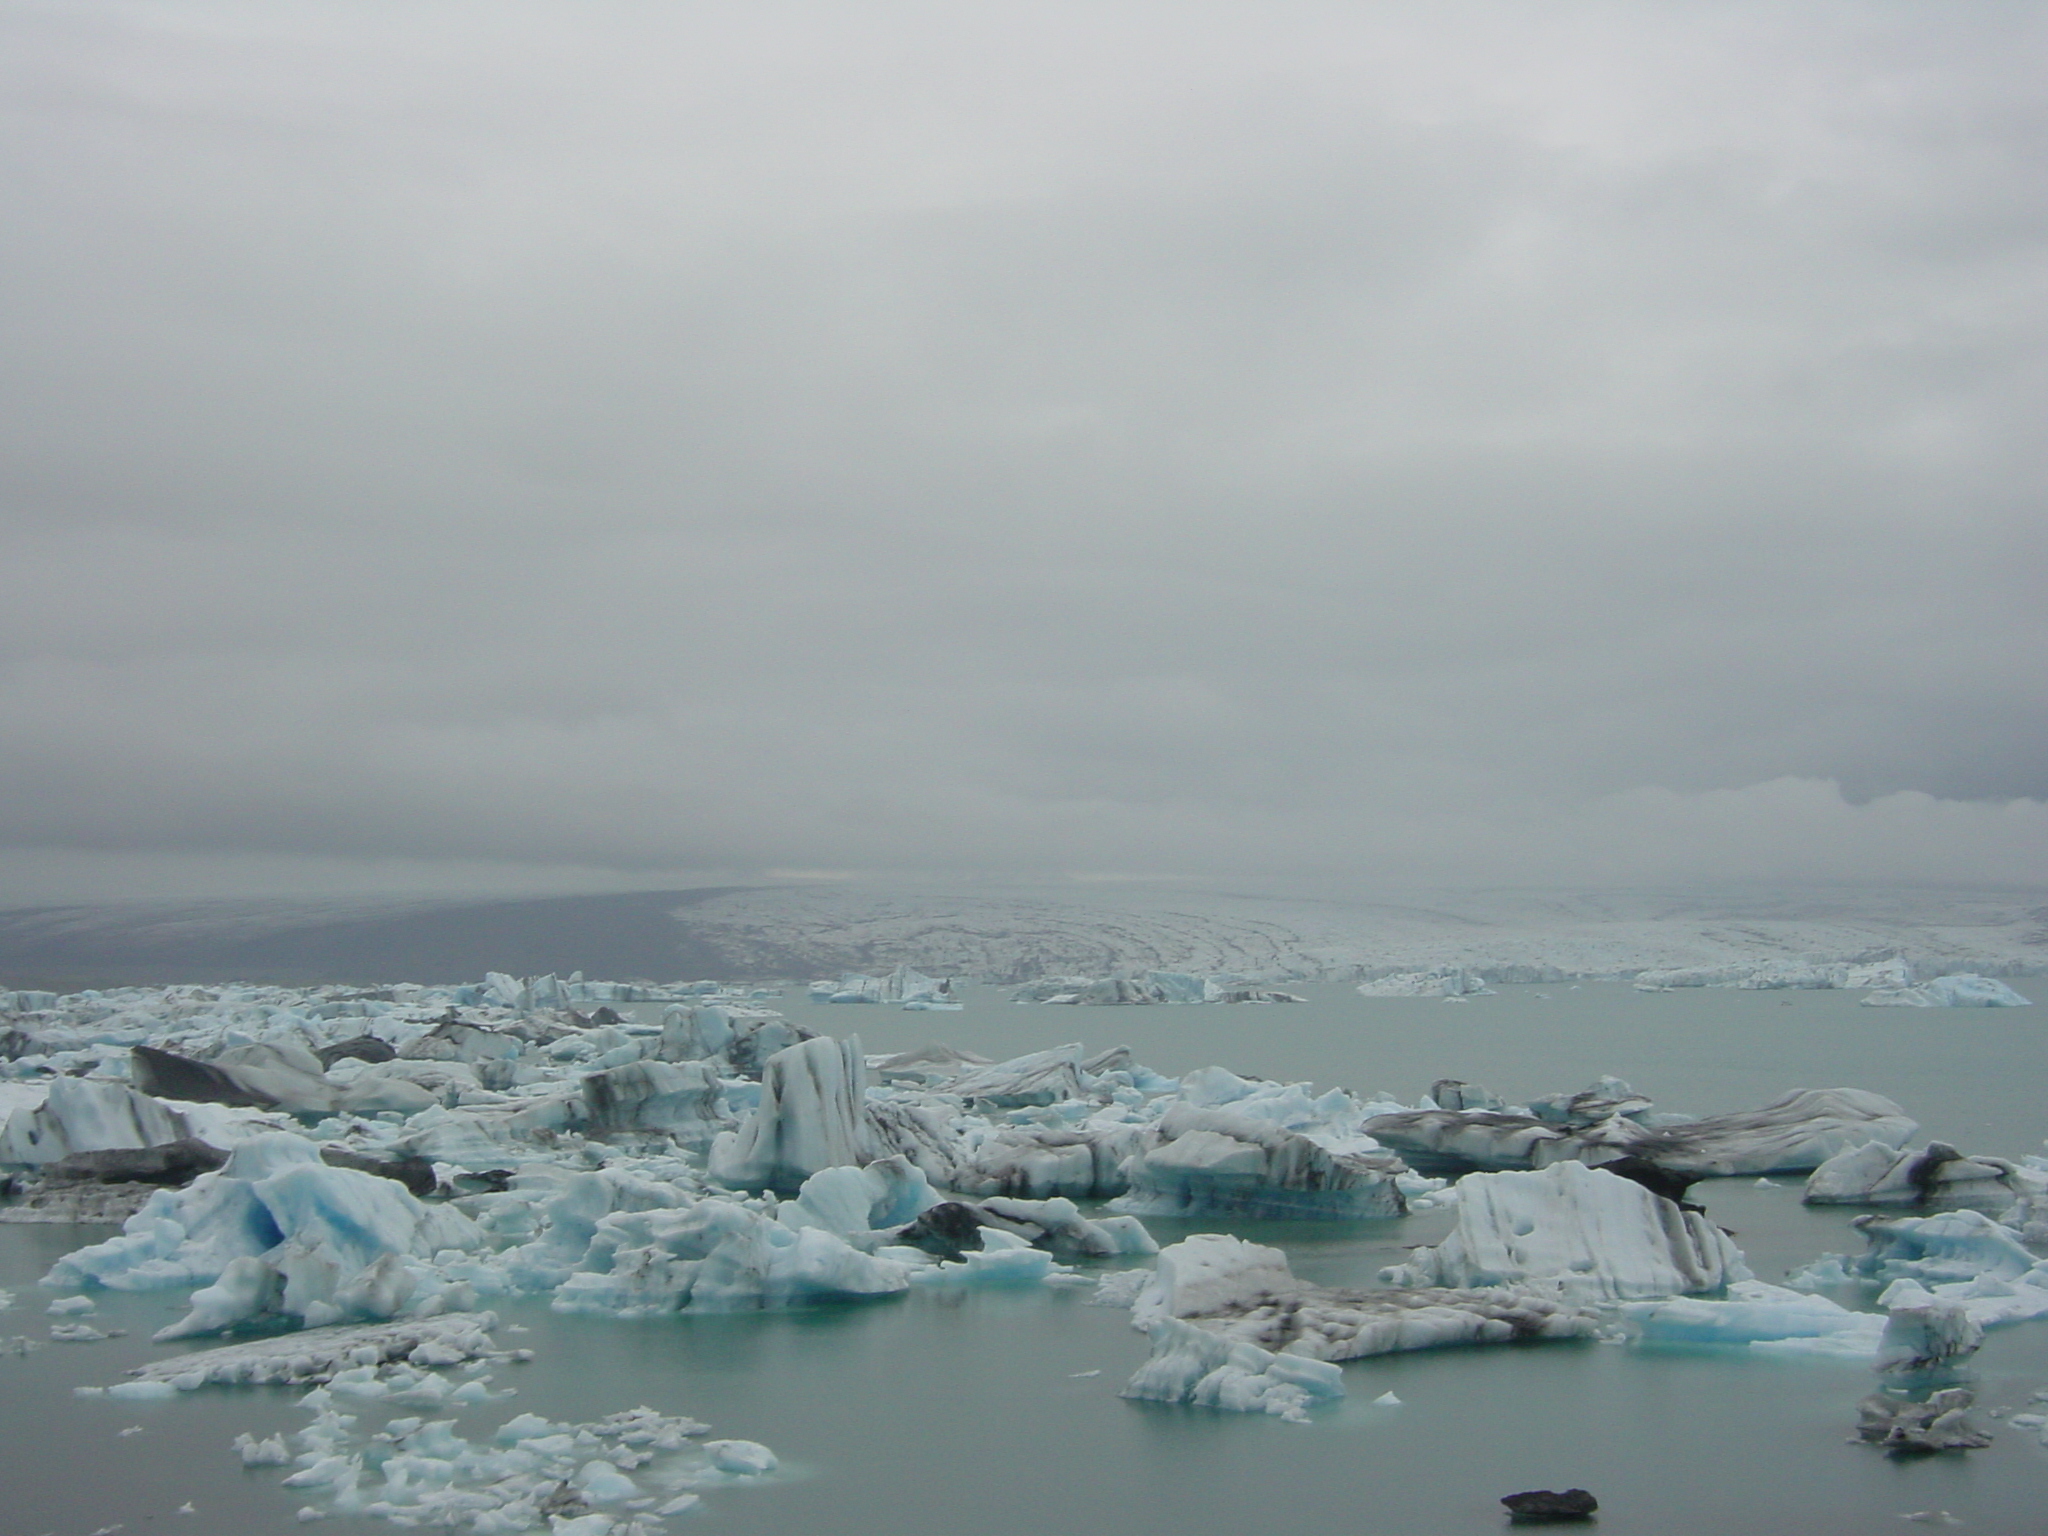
1466, 442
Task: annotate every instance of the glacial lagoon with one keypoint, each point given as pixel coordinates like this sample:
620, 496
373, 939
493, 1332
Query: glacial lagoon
999, 1411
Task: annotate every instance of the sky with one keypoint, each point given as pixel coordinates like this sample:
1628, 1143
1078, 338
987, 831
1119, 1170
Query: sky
523, 447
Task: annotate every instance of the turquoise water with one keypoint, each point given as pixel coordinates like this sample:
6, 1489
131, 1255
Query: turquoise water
939, 1413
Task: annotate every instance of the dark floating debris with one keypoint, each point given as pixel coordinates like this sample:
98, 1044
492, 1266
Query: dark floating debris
1543, 1507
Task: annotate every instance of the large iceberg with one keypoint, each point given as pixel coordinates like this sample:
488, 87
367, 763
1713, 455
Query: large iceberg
1576, 1232
277, 1233
811, 1116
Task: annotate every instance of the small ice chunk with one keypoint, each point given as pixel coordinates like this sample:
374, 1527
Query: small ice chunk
262, 1453
747, 1458
142, 1391
1386, 1400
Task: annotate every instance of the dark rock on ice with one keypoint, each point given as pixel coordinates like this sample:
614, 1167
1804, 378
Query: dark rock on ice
414, 1172
362, 1048
1541, 1506
947, 1230
168, 1075
173, 1162
1656, 1178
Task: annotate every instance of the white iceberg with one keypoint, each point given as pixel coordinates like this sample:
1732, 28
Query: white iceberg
1963, 991
1577, 1233
1877, 1173
1191, 1365
811, 1116
1454, 981
88, 1115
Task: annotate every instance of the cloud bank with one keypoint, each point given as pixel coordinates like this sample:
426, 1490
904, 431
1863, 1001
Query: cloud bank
539, 445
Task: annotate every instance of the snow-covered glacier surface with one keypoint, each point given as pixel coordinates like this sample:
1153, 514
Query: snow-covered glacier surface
1429, 944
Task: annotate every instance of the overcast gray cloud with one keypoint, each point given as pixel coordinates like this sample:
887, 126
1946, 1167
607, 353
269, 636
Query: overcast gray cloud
563, 444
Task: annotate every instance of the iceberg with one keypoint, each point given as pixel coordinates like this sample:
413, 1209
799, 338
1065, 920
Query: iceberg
1924, 1331
1041, 1078
570, 1479
927, 1064
682, 1101
318, 1355
88, 1115
1901, 1425
1245, 1293
1202, 1162
1878, 1173
276, 1233
1949, 1246
888, 1192
1962, 991
720, 1256
260, 1075
811, 1117
1454, 981
1577, 1233
1043, 1162
1191, 1365
1765, 1319
1793, 1134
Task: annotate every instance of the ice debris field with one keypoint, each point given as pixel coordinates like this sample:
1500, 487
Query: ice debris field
353, 1176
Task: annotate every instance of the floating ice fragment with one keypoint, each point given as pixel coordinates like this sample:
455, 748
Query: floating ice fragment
747, 1458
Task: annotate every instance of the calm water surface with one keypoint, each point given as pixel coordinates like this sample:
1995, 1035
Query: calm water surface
941, 1412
